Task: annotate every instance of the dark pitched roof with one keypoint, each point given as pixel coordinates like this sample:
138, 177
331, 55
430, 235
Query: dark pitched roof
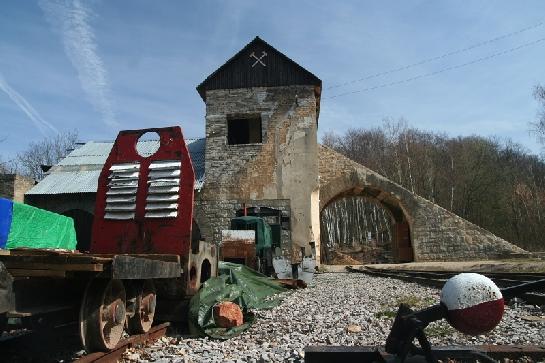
244, 70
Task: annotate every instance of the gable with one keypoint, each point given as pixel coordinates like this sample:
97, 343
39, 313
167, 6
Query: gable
258, 64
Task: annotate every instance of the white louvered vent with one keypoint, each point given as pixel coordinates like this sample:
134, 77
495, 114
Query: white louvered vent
121, 194
164, 187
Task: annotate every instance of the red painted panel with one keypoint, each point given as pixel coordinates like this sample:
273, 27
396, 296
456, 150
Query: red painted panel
141, 234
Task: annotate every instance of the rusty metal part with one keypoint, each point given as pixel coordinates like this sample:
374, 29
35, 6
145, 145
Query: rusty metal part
292, 283
239, 246
114, 355
482, 353
145, 302
102, 314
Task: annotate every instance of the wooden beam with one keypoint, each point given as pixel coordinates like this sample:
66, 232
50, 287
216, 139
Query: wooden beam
36, 273
95, 267
128, 267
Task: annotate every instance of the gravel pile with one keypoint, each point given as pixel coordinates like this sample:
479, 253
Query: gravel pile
337, 309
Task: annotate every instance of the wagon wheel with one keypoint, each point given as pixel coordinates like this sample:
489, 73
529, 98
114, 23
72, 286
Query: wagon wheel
144, 310
102, 314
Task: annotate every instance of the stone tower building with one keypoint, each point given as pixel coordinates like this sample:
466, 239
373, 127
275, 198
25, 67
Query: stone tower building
261, 144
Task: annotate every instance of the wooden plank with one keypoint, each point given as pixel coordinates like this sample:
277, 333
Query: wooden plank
95, 267
39, 251
55, 259
155, 256
36, 273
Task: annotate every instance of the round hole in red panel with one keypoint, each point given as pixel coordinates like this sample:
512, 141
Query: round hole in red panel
148, 144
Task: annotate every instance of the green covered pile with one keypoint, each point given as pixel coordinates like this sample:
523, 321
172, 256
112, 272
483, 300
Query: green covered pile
239, 284
30, 227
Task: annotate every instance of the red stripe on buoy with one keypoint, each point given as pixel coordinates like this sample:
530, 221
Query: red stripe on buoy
477, 319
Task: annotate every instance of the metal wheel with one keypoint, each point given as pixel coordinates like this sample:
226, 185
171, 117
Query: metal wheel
144, 311
102, 314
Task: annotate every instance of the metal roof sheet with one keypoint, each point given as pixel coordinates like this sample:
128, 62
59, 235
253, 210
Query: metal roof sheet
67, 183
78, 172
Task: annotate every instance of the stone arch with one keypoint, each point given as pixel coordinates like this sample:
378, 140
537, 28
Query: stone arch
349, 185
83, 223
436, 234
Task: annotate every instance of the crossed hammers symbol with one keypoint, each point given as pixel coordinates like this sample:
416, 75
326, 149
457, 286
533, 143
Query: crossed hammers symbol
258, 60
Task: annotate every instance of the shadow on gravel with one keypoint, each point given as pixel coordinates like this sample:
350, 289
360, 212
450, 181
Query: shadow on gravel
48, 345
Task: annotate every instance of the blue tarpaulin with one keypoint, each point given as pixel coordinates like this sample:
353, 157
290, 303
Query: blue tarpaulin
6, 214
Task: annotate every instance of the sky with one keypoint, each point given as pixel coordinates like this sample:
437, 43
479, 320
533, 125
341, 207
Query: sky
101, 66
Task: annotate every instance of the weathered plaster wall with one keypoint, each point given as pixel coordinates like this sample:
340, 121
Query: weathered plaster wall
14, 186
283, 167
436, 234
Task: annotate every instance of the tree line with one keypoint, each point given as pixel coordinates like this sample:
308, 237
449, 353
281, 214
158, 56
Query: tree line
34, 160
493, 183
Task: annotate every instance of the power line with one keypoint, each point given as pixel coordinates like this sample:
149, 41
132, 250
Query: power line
432, 59
494, 55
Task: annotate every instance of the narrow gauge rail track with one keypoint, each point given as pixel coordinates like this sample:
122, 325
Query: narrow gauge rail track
438, 279
114, 355
62, 344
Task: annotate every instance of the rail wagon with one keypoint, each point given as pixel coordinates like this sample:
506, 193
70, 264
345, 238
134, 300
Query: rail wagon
143, 264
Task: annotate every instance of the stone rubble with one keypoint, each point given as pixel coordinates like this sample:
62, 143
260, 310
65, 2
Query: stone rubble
337, 309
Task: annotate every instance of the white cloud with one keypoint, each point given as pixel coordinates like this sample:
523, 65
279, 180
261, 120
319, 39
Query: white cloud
42, 125
72, 19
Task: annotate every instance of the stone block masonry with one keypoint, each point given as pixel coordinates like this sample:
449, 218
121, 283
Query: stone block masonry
14, 186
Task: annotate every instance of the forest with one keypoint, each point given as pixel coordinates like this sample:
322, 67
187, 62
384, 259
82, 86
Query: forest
494, 183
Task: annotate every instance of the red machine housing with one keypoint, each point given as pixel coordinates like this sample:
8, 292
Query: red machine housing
141, 234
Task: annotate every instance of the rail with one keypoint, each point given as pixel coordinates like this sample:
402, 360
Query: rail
114, 355
438, 278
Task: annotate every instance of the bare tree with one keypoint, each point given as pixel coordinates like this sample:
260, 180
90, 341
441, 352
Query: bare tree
5, 166
45, 153
539, 126
494, 183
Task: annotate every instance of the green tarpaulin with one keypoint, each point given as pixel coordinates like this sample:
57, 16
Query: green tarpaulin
239, 284
263, 234
32, 227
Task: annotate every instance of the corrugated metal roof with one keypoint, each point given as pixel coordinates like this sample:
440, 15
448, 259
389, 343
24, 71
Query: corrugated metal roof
78, 172
67, 183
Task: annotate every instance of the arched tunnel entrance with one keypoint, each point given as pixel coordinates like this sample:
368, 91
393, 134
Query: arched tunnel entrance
83, 223
364, 226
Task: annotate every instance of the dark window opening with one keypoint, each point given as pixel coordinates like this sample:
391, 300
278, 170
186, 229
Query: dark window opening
195, 237
244, 131
206, 271
83, 224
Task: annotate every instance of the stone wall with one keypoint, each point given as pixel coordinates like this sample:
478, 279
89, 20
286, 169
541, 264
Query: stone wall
436, 234
14, 186
284, 167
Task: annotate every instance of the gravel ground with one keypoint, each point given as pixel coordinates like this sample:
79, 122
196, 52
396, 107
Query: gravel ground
338, 309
